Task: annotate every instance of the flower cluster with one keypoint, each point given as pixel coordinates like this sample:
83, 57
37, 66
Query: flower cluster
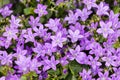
83, 43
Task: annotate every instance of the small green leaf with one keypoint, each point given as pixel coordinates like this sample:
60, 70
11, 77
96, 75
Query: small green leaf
23, 78
3, 2
116, 9
116, 45
28, 11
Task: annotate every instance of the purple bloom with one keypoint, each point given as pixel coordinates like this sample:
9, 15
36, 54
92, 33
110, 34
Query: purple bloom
14, 23
34, 22
104, 76
49, 49
63, 61
39, 49
77, 55
23, 64
5, 58
34, 64
10, 33
5, 11
102, 9
50, 63
74, 35
110, 60
29, 36
105, 29
41, 10
40, 31
53, 24
94, 62
72, 18
84, 14
2, 78
90, 3
86, 75
58, 40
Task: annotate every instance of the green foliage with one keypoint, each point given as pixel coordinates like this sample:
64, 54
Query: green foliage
29, 76
116, 45
3, 2
28, 11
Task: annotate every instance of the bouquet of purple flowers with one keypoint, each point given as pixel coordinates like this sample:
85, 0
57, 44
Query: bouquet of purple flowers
59, 40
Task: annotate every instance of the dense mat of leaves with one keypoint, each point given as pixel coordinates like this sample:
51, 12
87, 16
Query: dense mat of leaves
59, 40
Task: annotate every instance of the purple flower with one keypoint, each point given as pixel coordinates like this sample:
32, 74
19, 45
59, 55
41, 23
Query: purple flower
58, 40
86, 75
105, 29
29, 36
39, 49
5, 58
49, 49
50, 63
34, 64
5, 11
20, 52
74, 35
104, 76
41, 10
84, 14
10, 33
77, 55
90, 3
102, 9
23, 64
94, 62
14, 23
72, 18
40, 31
34, 22
53, 24
110, 60
64, 61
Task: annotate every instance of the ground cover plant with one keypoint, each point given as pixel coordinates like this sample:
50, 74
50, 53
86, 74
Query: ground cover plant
59, 40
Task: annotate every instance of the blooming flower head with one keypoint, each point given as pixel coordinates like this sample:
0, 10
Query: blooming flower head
58, 40
50, 63
105, 29
34, 22
84, 14
41, 10
53, 24
23, 64
104, 76
102, 9
29, 36
5, 11
86, 75
14, 23
72, 18
90, 3
77, 55
74, 35
5, 58
10, 33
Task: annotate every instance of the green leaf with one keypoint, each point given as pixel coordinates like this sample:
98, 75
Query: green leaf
28, 11
75, 67
53, 72
3, 2
116, 9
116, 45
23, 78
